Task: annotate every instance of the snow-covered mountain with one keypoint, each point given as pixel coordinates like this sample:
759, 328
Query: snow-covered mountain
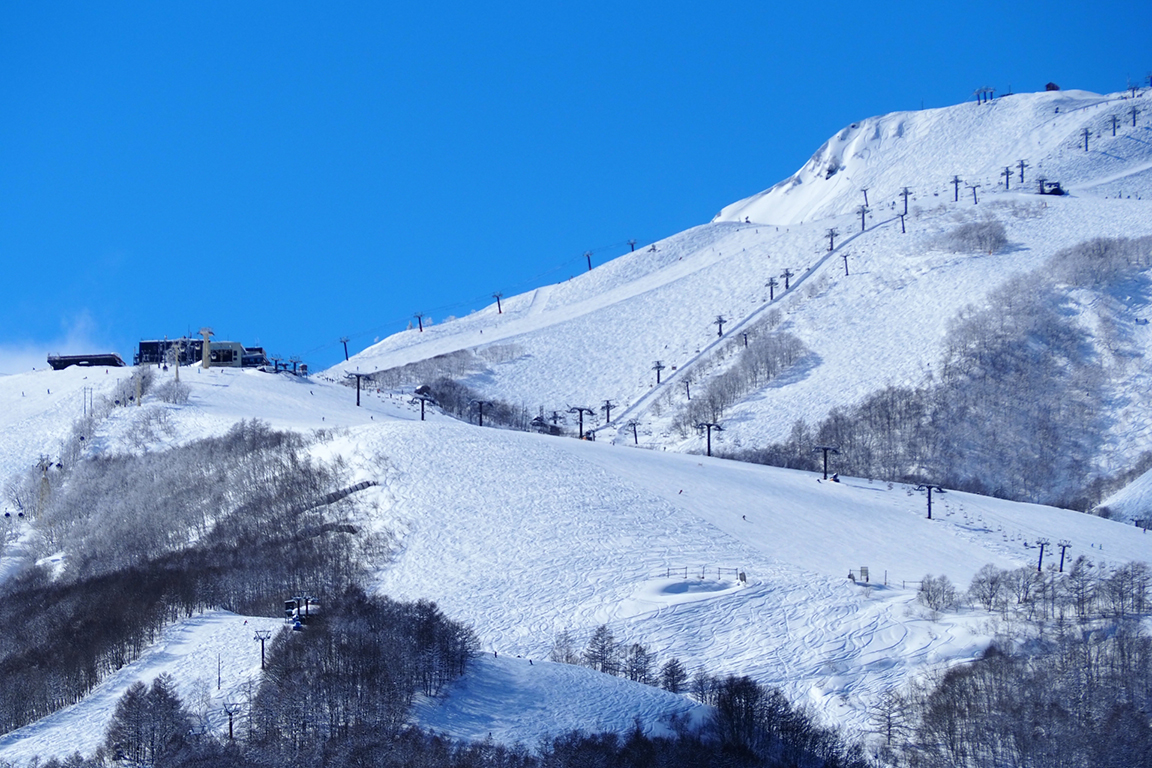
598, 335
925, 150
524, 536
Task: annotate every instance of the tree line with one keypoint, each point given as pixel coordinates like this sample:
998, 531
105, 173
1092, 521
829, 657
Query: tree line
1084, 593
234, 522
338, 694
1072, 691
764, 358
1077, 700
750, 723
1015, 409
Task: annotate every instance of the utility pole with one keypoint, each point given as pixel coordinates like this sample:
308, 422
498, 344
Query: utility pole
1086, 133
845, 257
1115, 122
588, 255
688, 388
865, 191
1063, 544
633, 424
344, 341
419, 320
974, 187
826, 449
1021, 165
745, 335
607, 408
832, 238
709, 426
902, 230
1007, 177
906, 194
262, 635
1134, 111
1042, 543
632, 245
357, 376
719, 321
204, 353
929, 488
771, 284
580, 410
787, 274
480, 407
659, 366
863, 211
956, 182
499, 309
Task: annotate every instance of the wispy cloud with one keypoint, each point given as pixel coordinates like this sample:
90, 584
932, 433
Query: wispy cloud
77, 336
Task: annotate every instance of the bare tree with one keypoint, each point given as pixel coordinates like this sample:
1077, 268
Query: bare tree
602, 653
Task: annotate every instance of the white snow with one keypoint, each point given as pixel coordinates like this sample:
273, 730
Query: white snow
524, 536
214, 659
548, 700
596, 336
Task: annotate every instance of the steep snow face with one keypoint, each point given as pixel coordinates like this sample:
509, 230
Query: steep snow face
974, 142
1133, 503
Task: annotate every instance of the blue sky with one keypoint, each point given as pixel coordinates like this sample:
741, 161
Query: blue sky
289, 173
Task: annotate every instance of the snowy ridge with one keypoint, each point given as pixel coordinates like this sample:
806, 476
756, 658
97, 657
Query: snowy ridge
924, 150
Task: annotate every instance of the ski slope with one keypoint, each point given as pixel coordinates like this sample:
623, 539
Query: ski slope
597, 336
524, 536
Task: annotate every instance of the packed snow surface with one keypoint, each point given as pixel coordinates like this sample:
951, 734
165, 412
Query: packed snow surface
524, 536
733, 568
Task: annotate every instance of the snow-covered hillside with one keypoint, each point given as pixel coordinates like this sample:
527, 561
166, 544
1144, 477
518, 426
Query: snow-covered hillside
730, 567
598, 335
925, 150
524, 536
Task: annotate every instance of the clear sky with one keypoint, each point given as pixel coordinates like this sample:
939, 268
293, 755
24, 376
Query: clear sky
289, 173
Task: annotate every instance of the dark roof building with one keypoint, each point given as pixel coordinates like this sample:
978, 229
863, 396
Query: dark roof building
108, 359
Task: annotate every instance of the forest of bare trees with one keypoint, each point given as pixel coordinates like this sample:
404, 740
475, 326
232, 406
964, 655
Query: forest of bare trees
1014, 408
235, 522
